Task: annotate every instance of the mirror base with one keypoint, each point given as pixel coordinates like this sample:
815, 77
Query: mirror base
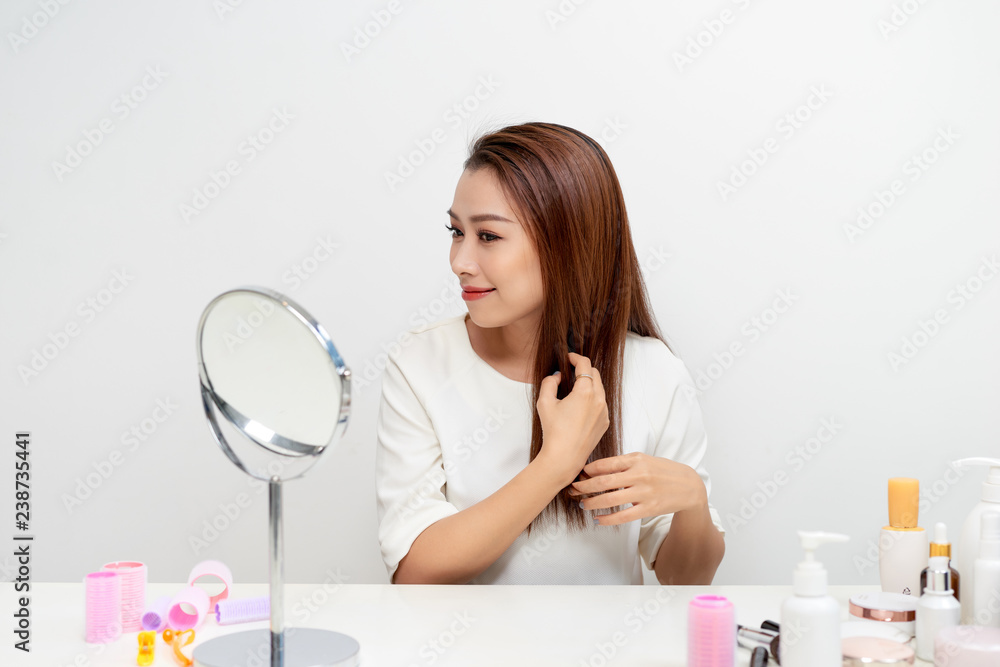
304, 647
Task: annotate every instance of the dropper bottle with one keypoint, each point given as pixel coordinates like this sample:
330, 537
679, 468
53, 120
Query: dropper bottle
937, 608
940, 547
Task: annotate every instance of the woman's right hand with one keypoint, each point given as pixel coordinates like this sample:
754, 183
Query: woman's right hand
572, 426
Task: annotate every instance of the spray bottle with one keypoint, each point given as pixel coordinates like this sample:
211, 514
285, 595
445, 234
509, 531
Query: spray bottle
967, 548
810, 618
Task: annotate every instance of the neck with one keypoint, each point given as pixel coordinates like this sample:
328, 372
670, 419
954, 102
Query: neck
513, 343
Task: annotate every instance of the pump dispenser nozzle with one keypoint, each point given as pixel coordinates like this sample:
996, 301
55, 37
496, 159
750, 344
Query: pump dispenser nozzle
991, 487
810, 576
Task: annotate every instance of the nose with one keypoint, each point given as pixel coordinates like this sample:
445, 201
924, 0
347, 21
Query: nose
463, 258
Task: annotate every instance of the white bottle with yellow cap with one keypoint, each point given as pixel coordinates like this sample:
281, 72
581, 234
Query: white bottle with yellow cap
902, 545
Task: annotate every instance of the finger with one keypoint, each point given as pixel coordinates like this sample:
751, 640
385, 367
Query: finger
580, 362
549, 387
606, 500
623, 516
611, 481
607, 465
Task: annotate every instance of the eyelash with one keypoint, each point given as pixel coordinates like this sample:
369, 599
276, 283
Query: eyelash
453, 230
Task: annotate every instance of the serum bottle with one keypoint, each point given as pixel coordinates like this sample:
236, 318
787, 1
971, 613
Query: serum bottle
941, 547
937, 608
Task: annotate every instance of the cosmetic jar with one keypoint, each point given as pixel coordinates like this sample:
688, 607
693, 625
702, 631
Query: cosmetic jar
893, 608
860, 651
967, 646
859, 628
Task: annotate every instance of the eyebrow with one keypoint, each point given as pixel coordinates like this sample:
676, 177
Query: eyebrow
482, 217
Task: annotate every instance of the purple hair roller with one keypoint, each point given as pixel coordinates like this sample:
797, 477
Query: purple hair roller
242, 611
155, 618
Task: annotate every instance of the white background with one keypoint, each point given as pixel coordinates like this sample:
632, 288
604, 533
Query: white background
675, 130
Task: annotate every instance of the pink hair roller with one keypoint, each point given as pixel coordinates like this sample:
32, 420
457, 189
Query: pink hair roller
155, 618
190, 599
243, 611
711, 632
212, 568
133, 578
103, 592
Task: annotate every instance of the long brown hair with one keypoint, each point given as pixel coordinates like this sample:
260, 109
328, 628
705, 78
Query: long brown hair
566, 193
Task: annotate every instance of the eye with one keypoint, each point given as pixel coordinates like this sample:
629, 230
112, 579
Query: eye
487, 237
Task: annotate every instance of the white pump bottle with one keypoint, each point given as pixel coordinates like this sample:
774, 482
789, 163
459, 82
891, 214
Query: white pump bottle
967, 548
810, 619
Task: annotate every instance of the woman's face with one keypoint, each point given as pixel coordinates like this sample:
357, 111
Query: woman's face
490, 249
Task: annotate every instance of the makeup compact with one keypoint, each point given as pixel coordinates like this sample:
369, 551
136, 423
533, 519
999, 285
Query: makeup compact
860, 651
869, 629
893, 608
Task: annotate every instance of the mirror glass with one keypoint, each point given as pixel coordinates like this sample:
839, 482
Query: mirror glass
275, 390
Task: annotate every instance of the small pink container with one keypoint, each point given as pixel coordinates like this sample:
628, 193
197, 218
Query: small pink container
711, 632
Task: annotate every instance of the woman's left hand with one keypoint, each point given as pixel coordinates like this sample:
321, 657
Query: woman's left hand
652, 484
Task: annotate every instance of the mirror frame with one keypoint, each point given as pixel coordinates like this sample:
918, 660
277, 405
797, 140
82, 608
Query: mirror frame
276, 443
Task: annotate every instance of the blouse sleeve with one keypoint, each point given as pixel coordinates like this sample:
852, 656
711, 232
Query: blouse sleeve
682, 438
409, 469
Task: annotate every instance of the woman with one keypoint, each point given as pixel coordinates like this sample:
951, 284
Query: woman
492, 468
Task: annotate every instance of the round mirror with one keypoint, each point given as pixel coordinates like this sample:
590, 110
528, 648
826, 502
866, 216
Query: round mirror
272, 374
276, 394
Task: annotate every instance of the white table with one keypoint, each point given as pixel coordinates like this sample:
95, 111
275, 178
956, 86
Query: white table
433, 625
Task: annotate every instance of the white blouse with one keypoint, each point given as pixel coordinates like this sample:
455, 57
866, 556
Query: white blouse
452, 430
